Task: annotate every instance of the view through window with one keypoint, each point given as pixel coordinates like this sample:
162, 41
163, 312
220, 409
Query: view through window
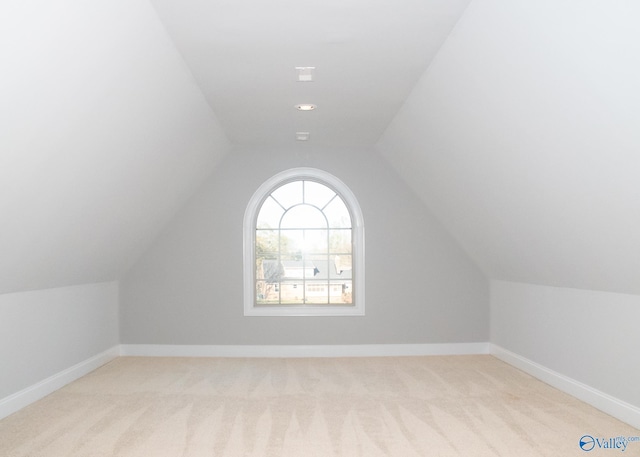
303, 247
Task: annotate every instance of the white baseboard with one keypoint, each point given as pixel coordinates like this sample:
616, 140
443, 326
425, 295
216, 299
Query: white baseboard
25, 397
604, 402
348, 350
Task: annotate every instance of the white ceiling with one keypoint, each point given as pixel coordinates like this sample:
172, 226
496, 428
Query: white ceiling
103, 136
523, 137
105, 132
368, 56
516, 122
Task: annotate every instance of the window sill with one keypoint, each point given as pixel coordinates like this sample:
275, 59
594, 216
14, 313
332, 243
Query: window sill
301, 311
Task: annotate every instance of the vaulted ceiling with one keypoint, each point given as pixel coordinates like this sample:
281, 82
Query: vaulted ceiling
516, 122
368, 56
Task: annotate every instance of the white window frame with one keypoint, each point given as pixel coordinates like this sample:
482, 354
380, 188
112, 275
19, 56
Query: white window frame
357, 221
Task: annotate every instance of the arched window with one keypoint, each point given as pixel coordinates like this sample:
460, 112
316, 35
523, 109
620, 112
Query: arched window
303, 247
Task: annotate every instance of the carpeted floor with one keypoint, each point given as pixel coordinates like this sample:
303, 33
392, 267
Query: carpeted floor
387, 406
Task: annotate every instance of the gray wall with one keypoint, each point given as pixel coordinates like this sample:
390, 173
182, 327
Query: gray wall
589, 336
46, 331
420, 286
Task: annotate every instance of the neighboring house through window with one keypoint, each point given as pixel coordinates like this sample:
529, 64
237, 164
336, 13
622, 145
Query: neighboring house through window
304, 247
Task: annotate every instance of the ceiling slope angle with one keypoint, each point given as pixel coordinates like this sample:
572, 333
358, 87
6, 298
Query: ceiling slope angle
367, 56
103, 136
523, 137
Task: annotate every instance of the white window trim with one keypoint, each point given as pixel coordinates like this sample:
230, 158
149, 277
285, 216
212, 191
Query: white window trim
250, 216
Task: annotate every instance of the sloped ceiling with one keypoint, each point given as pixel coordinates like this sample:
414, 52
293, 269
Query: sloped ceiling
521, 135
524, 138
368, 56
106, 131
103, 135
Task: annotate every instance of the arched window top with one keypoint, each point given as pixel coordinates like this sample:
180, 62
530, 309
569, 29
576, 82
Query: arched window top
303, 216
303, 247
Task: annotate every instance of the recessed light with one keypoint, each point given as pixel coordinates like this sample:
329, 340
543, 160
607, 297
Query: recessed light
305, 107
302, 136
305, 74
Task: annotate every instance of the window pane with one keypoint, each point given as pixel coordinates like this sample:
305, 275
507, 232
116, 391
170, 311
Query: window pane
267, 293
286, 246
311, 271
341, 292
317, 194
267, 245
292, 292
292, 244
342, 267
270, 214
294, 269
321, 265
340, 241
303, 216
315, 241
261, 291
317, 292
338, 214
289, 194
269, 270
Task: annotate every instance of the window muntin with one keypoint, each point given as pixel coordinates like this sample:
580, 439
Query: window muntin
304, 247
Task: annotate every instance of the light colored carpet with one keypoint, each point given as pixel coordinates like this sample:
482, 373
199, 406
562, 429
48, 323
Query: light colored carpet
387, 406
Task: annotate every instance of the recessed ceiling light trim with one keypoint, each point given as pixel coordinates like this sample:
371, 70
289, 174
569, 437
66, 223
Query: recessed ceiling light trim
306, 107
